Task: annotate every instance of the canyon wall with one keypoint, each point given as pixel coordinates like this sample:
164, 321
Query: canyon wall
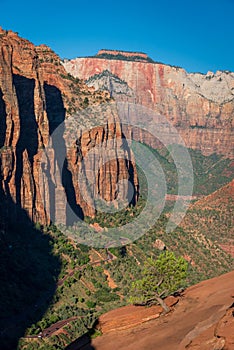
201, 107
36, 96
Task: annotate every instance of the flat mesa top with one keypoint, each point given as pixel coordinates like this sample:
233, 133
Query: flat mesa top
122, 53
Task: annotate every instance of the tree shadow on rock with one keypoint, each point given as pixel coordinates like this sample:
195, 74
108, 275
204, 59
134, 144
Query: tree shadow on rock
81, 343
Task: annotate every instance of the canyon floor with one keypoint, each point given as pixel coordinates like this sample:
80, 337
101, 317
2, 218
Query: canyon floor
202, 319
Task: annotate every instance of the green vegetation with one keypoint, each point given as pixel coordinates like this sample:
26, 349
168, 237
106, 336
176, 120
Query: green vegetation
86, 293
210, 172
161, 277
5, 148
105, 73
119, 218
82, 97
122, 57
86, 102
84, 290
70, 77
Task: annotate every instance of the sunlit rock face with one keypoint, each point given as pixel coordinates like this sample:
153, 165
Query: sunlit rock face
200, 106
36, 97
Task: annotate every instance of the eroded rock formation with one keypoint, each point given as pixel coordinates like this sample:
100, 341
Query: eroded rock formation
36, 96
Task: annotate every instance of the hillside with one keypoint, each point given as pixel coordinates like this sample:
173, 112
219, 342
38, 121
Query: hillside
211, 218
94, 281
209, 172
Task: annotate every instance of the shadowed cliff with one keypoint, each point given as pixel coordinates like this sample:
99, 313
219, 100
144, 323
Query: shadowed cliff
2, 120
56, 116
28, 267
28, 139
28, 272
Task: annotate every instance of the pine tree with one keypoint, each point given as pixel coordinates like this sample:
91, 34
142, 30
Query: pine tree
161, 278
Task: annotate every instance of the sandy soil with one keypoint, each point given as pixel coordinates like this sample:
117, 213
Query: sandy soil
110, 280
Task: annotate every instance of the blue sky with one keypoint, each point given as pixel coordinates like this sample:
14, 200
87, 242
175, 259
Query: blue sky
197, 35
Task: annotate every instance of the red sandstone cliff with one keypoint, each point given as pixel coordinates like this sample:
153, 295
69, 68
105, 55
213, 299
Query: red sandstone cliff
36, 96
201, 107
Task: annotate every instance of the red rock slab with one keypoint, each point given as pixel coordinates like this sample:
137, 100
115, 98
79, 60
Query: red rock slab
200, 309
131, 316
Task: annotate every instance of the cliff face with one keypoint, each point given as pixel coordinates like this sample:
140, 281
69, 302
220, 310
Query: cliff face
36, 96
201, 107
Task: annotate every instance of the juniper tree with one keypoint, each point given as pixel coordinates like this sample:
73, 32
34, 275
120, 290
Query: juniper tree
161, 277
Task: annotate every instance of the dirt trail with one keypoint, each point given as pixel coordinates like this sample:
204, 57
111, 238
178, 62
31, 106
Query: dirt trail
110, 280
199, 310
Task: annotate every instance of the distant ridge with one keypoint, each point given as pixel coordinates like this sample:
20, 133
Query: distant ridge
123, 55
122, 52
